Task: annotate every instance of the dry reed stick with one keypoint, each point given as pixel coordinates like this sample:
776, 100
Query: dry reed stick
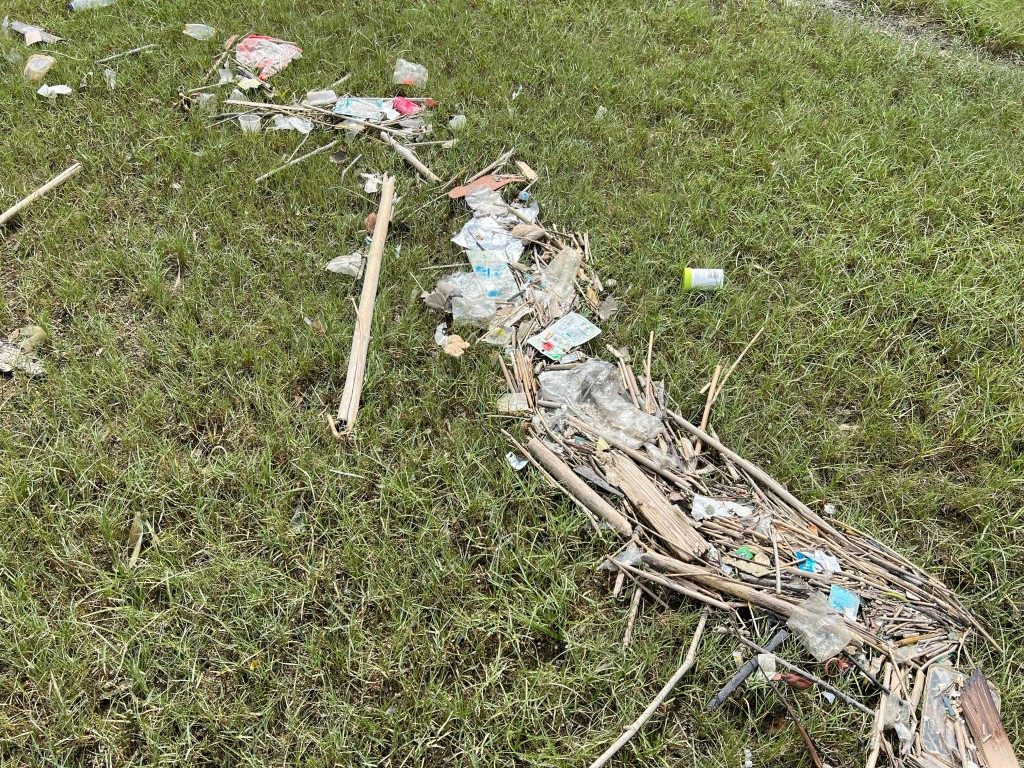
349, 406
646, 715
26, 201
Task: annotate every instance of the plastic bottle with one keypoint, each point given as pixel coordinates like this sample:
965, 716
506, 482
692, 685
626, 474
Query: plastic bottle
85, 5
703, 279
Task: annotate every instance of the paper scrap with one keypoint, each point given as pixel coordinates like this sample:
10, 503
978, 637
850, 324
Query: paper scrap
557, 340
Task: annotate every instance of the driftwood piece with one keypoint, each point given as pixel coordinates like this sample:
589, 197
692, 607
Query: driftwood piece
646, 715
744, 672
579, 490
25, 202
662, 516
986, 726
349, 406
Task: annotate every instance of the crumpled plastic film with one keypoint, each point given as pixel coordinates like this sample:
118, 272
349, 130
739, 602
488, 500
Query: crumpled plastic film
820, 627
266, 56
593, 391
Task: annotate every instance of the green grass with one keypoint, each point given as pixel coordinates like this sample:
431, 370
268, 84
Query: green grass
864, 198
997, 25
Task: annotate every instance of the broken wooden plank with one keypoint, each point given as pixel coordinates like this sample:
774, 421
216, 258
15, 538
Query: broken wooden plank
662, 517
983, 719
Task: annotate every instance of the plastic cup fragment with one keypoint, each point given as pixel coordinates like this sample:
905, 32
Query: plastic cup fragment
37, 66
249, 123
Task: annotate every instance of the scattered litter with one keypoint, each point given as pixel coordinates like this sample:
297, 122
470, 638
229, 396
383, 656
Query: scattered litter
820, 627
53, 91
707, 508
110, 78
703, 279
608, 309
18, 352
844, 601
748, 758
30, 32
85, 5
567, 332
290, 123
298, 524
517, 463
265, 55
371, 182
513, 402
249, 123
409, 73
601, 112
452, 344
327, 98
350, 264
37, 66
593, 391
200, 31
403, 106
457, 122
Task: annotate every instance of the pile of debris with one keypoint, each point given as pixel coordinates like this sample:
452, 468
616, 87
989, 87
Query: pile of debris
697, 519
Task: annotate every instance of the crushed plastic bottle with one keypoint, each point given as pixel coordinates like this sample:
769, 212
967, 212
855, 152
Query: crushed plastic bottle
85, 5
410, 73
820, 627
593, 392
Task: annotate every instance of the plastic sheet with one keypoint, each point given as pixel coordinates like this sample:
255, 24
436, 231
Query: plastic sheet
593, 391
364, 108
492, 270
470, 305
200, 31
820, 627
266, 55
706, 508
410, 73
487, 234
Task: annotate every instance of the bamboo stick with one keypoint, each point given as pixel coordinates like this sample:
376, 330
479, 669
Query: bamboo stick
25, 202
299, 159
410, 157
582, 493
349, 406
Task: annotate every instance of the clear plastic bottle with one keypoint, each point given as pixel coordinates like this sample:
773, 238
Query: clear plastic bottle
702, 279
84, 5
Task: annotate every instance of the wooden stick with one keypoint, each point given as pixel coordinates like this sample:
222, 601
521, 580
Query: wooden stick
662, 516
646, 715
633, 609
816, 759
581, 492
744, 672
53, 183
649, 386
140, 49
504, 158
878, 727
986, 727
707, 406
410, 157
349, 406
675, 586
299, 159
732, 367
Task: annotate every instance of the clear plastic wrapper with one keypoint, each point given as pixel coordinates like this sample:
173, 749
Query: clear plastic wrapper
266, 55
410, 73
820, 627
487, 234
593, 391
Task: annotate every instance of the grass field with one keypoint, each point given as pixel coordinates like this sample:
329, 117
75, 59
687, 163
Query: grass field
996, 25
865, 199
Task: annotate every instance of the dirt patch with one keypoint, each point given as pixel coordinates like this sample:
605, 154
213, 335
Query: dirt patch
913, 29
